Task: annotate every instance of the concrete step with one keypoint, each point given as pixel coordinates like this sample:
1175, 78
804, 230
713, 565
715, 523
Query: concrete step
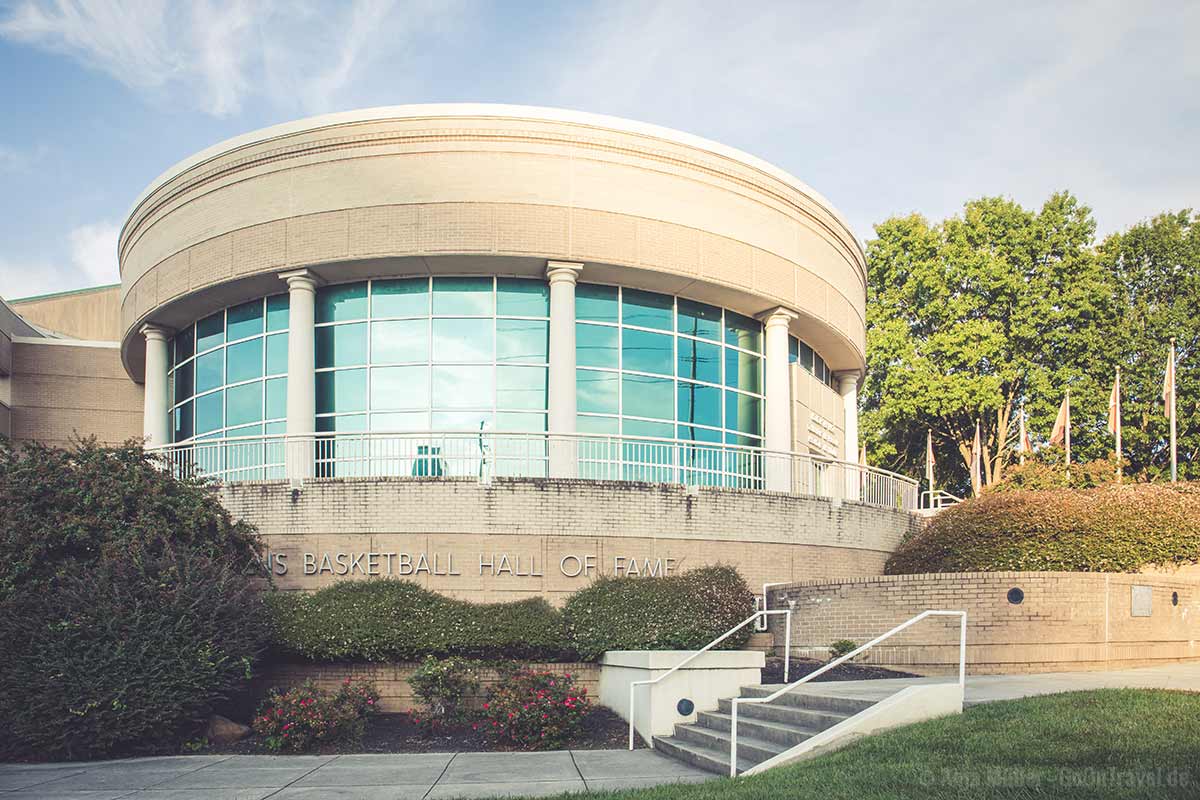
811, 698
804, 719
776, 732
750, 747
699, 756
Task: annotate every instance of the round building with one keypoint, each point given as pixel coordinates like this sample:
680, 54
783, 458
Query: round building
503, 350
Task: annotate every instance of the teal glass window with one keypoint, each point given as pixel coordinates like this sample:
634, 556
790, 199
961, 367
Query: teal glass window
743, 371
185, 385
185, 344
400, 298
793, 349
244, 360
597, 392
518, 422
699, 361
596, 345
210, 412
348, 423
646, 396
341, 345
400, 341
643, 351
210, 332
341, 391
244, 320
463, 386
276, 390
518, 297
596, 303
244, 403
524, 341
277, 354
466, 340
743, 413
401, 421
698, 319
521, 387
462, 297
395, 388
277, 312
647, 309
589, 424
641, 427
462, 420
743, 332
690, 433
182, 428
210, 370
806, 356
699, 404
342, 302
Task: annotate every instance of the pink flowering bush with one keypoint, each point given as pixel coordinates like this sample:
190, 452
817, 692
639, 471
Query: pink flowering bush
535, 711
306, 717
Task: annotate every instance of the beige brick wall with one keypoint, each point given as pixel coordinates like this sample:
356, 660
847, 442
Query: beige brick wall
90, 314
60, 390
391, 679
1067, 620
538, 523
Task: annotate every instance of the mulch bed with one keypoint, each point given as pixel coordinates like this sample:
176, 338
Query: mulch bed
773, 672
397, 733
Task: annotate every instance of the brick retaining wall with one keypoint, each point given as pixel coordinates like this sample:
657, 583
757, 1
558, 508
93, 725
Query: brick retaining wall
1065, 621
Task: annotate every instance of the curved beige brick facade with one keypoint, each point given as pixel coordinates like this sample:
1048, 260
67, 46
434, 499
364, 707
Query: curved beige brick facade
489, 189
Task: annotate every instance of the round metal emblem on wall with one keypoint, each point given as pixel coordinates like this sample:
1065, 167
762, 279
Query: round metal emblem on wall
1016, 596
685, 707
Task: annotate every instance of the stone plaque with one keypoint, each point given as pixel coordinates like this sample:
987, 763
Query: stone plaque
1142, 600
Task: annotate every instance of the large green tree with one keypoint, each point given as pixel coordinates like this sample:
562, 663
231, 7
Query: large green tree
976, 318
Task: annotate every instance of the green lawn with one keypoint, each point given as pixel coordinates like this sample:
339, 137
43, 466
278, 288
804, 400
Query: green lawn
1124, 743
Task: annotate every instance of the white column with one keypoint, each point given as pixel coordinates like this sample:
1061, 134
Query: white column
154, 403
778, 389
560, 398
301, 386
848, 389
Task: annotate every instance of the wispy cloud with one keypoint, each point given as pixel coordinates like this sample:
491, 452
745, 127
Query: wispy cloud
224, 53
92, 261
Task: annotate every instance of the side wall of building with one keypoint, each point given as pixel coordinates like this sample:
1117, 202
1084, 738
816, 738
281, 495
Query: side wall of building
1064, 620
522, 538
88, 314
59, 390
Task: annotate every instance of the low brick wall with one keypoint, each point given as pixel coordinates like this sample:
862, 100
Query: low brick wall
391, 678
1064, 621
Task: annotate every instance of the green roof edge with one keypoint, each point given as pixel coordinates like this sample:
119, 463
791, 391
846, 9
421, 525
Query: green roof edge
67, 293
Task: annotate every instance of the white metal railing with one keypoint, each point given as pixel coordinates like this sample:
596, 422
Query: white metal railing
651, 681
488, 454
937, 500
962, 672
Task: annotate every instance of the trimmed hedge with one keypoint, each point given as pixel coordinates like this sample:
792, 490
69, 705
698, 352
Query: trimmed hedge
1114, 528
681, 612
391, 620
384, 619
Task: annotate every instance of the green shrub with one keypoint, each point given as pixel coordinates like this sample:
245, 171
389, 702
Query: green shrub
390, 620
129, 655
681, 612
306, 717
535, 711
1040, 474
1114, 528
841, 647
442, 685
66, 509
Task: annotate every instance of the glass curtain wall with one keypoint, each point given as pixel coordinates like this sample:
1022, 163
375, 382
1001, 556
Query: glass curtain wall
227, 378
466, 354
659, 366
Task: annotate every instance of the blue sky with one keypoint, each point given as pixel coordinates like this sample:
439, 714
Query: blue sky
884, 107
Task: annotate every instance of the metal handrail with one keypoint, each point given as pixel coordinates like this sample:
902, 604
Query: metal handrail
939, 499
651, 681
962, 672
488, 454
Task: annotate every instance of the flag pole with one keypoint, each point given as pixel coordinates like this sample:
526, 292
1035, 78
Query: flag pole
1117, 393
1174, 457
1021, 446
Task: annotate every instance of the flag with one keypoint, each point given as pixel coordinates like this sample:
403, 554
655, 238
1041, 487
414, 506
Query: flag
976, 455
862, 456
1168, 394
1062, 422
1114, 406
929, 459
1024, 446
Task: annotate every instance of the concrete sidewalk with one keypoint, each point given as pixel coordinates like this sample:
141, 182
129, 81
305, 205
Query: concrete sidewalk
353, 777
